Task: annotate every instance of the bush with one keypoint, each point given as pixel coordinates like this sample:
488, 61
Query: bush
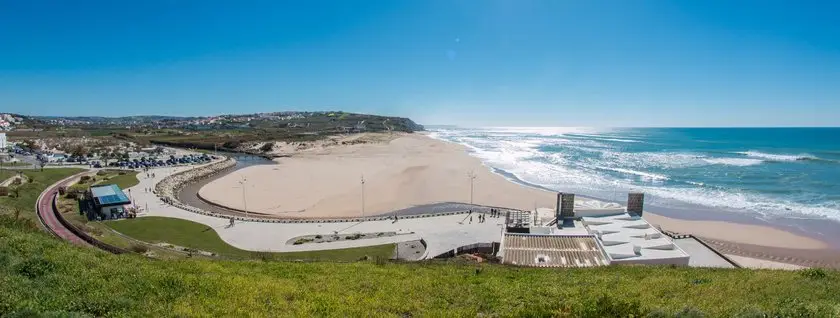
267, 147
16, 181
35, 267
84, 179
139, 248
813, 273
232, 144
76, 191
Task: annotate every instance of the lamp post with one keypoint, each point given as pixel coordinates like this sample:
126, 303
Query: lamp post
471, 176
363, 196
244, 200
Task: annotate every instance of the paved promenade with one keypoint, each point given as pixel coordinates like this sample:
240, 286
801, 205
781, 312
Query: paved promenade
441, 234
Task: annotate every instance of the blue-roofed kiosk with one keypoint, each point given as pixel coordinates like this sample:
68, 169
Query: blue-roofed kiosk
109, 201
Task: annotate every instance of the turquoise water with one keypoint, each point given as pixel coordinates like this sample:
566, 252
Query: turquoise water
767, 172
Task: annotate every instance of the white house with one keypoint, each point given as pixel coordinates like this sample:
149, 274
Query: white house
3, 144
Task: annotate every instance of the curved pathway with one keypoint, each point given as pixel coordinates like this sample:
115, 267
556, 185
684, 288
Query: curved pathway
47, 215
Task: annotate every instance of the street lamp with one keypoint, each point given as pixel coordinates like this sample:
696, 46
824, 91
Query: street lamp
244, 201
363, 196
472, 176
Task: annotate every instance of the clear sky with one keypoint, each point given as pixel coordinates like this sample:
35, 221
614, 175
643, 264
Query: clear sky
488, 62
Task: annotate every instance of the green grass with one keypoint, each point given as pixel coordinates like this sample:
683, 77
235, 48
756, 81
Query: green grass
16, 164
125, 181
30, 191
41, 275
199, 236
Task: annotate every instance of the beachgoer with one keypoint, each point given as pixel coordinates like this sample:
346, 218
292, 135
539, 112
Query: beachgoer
470, 218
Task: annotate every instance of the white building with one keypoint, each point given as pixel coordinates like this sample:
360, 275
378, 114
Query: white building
3, 144
584, 234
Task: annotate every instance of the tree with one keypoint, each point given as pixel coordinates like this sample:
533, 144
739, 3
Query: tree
267, 147
79, 151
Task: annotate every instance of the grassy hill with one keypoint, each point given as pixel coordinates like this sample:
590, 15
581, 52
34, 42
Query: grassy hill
41, 275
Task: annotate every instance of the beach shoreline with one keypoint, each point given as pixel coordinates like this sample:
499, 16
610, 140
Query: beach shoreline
408, 170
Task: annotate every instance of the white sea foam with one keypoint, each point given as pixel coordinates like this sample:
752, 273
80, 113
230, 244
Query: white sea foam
738, 201
620, 140
776, 157
576, 168
644, 175
741, 162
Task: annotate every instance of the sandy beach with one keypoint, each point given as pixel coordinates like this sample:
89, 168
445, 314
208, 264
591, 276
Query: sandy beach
405, 170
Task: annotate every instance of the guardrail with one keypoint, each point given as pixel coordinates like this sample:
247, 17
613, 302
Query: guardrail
81, 234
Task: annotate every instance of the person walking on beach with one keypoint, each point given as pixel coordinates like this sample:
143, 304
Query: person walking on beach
471, 219
231, 222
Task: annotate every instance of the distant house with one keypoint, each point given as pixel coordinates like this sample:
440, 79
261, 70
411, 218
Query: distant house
3, 144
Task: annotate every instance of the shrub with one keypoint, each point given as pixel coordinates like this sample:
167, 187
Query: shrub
84, 179
76, 191
35, 267
16, 181
302, 241
318, 236
813, 273
267, 147
232, 144
139, 248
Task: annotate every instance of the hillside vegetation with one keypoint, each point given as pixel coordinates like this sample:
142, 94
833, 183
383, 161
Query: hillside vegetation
41, 275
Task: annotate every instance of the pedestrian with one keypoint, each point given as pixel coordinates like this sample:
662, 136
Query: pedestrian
470, 218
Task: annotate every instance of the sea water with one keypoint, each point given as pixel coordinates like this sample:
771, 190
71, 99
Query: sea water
766, 172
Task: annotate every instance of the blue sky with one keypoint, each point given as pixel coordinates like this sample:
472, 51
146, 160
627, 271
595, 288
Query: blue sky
493, 62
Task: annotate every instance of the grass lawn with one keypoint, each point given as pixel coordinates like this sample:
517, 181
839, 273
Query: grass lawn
199, 236
129, 179
42, 276
30, 191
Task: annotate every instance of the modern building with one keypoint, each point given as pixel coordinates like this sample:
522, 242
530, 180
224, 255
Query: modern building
552, 250
3, 144
109, 201
584, 234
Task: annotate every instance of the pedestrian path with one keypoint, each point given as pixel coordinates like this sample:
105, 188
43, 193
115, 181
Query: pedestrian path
441, 233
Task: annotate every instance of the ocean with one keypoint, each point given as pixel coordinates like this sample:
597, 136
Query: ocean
767, 173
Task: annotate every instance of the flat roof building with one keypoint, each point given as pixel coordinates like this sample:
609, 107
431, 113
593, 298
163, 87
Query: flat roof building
586, 233
552, 251
109, 201
3, 141
628, 238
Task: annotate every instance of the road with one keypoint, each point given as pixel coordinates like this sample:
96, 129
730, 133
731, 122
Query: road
46, 214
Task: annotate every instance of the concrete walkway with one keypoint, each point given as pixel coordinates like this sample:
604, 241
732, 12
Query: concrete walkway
441, 234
